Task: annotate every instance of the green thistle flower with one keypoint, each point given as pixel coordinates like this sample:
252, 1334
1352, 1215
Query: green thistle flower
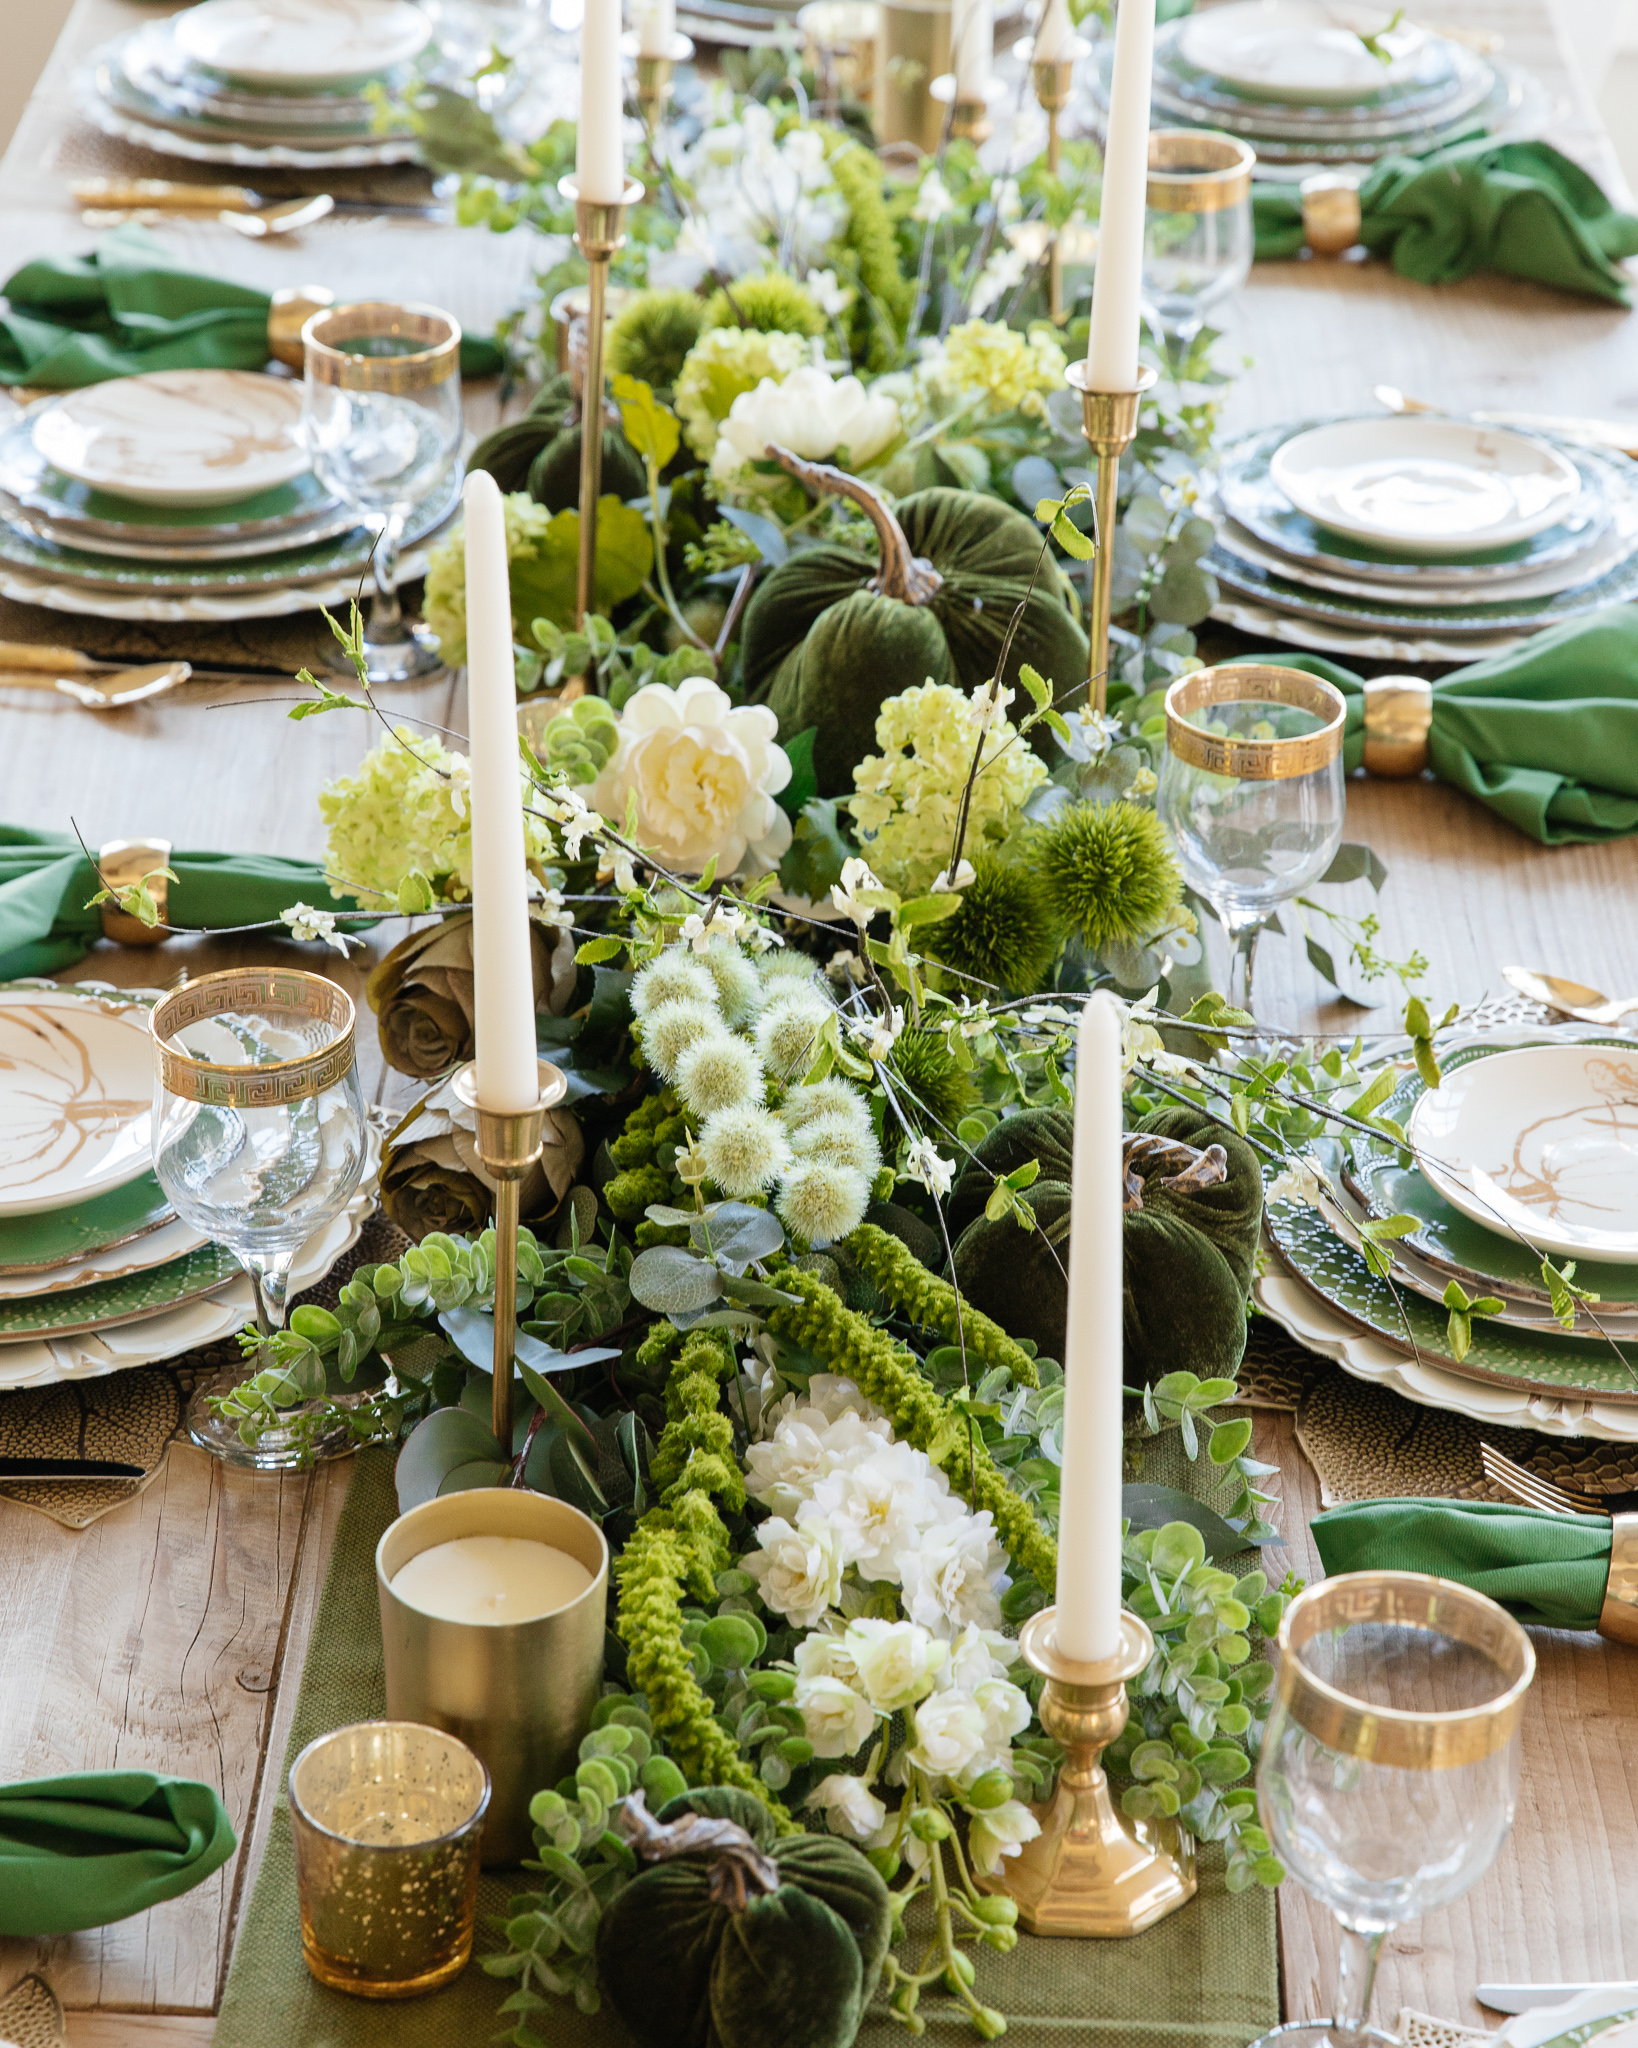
823, 1200
772, 303
745, 1150
1108, 870
653, 335
927, 1068
738, 988
672, 978
1005, 935
842, 1138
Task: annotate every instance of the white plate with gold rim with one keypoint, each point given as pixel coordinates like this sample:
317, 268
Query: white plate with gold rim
1311, 56
178, 437
1541, 1143
76, 1092
302, 45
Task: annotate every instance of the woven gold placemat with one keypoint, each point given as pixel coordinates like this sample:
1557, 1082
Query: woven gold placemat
30, 2016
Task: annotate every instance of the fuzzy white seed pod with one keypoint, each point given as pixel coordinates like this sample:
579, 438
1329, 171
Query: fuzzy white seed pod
823, 1202
671, 978
738, 986
787, 1032
718, 1072
671, 1028
782, 969
839, 1138
744, 1149
830, 1097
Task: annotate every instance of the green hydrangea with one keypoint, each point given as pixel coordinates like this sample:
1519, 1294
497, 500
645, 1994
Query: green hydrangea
720, 366
444, 605
1015, 371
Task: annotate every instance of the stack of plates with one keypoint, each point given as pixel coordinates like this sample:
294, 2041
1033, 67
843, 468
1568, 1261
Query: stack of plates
182, 495
1416, 538
1295, 80
259, 83
97, 1272
1527, 1149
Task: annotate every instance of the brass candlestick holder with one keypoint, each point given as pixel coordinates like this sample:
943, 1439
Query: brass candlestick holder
1054, 81
508, 1144
1084, 1874
654, 76
1109, 420
969, 118
599, 229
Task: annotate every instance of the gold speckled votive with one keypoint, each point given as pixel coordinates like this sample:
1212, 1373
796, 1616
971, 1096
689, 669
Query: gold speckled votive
386, 1817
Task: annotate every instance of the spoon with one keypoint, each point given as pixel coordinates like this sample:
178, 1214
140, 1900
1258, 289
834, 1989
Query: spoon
283, 219
1569, 998
112, 691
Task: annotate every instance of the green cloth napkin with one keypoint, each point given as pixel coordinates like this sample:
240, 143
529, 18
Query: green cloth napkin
1518, 207
1547, 1569
46, 883
1546, 737
79, 1852
128, 308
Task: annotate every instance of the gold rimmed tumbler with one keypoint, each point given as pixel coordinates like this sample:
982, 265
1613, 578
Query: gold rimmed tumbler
1390, 1767
259, 1137
1197, 235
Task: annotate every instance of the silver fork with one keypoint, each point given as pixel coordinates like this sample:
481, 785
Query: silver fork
1532, 1491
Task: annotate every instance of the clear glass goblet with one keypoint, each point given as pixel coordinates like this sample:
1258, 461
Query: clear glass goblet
260, 1139
381, 414
1251, 786
1390, 1767
1197, 233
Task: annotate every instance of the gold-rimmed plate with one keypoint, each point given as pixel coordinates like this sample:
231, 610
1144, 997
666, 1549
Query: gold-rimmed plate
76, 1089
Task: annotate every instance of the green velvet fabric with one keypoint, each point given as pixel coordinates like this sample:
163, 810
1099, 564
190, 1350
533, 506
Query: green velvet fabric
540, 453
82, 1851
1547, 1569
823, 651
1521, 208
130, 307
1188, 1256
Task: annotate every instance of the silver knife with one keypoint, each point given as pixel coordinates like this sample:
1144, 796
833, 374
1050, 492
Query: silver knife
1531, 1997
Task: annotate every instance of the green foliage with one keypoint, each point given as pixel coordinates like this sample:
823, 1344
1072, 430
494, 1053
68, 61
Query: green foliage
1005, 936
653, 334
1108, 870
543, 582
905, 1282
773, 303
933, 1076
581, 740
869, 254
650, 427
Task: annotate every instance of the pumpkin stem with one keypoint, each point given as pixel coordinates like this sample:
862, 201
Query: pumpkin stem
739, 1869
912, 579
1146, 1156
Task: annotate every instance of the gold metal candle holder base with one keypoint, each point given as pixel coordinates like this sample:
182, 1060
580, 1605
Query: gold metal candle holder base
1109, 420
599, 229
1084, 1874
508, 1144
654, 75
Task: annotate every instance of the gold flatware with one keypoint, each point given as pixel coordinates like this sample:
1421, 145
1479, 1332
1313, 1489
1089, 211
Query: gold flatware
114, 689
282, 219
1534, 1492
1600, 433
1569, 998
160, 196
1618, 1618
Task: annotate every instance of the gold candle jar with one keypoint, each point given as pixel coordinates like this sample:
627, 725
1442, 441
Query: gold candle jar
385, 1817
519, 1694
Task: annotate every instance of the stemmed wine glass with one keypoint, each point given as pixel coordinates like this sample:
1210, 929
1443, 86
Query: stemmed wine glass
1251, 786
1197, 237
259, 1135
381, 414
1390, 1767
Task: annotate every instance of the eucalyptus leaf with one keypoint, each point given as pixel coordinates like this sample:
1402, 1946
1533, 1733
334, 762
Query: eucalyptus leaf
448, 1439
672, 1281
737, 1234
1152, 1507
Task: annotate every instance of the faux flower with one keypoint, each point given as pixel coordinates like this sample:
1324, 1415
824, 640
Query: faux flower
884, 1502
1006, 1711
704, 772
1302, 1179
823, 1201
787, 1032
307, 923
745, 1149
718, 1072
832, 299
849, 1806
949, 1730
841, 1139
671, 1028
815, 415
424, 999
757, 193
925, 1163
824, 1654
805, 1449
932, 201
668, 978
1014, 371
856, 878
1002, 1831
720, 366
798, 1569
950, 1578
898, 1662
835, 1719
443, 604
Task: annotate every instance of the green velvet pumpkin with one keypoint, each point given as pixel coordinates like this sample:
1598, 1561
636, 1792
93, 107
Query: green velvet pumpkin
832, 632
1188, 1253
790, 1968
540, 453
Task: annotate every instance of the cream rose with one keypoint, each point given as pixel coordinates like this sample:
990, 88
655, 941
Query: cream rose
1002, 1831
835, 1719
798, 1570
949, 1734
851, 1808
898, 1663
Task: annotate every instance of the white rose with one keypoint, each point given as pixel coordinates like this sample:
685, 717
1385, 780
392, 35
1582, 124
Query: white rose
1002, 1831
885, 1501
835, 1719
949, 1734
825, 1654
851, 1808
811, 413
977, 1654
1005, 1710
954, 1575
805, 1448
834, 1396
798, 1570
897, 1661
704, 772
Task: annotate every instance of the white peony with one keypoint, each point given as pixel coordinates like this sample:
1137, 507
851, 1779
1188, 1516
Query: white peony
826, 1654
1002, 1831
949, 1729
977, 1654
954, 1575
810, 412
1005, 1711
704, 773
835, 1719
884, 1501
898, 1662
805, 1449
834, 1395
851, 1808
799, 1569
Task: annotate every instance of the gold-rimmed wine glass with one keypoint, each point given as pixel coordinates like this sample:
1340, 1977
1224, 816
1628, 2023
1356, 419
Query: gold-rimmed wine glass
1197, 239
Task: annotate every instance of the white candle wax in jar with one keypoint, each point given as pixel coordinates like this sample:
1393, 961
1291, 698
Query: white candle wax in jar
1117, 283
1055, 35
490, 1580
1089, 1517
656, 28
599, 164
503, 983
972, 42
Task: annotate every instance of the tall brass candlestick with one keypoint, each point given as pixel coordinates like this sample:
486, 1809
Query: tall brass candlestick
599, 229
969, 118
1109, 420
508, 1145
1084, 1874
1053, 81
654, 75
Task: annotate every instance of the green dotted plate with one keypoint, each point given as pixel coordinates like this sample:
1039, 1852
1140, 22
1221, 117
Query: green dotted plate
1590, 2030
55, 1237
126, 1300
1485, 1261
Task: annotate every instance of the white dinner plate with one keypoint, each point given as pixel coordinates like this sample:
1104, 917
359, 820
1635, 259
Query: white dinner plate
76, 1092
1309, 55
302, 44
1426, 487
178, 437
1542, 1141
1552, 2025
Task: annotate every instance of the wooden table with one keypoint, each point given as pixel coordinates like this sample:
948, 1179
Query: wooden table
172, 1632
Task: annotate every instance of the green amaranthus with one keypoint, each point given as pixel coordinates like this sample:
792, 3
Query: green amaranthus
899, 1275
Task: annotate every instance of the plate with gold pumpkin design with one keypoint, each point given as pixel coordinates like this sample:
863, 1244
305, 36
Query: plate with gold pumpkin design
76, 1091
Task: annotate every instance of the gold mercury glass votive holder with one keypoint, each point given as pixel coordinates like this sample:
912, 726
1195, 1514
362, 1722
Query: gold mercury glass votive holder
386, 1819
519, 1693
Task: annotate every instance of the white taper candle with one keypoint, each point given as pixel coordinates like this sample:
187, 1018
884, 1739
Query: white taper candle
1055, 36
656, 27
972, 40
1088, 1595
1117, 283
503, 984
599, 159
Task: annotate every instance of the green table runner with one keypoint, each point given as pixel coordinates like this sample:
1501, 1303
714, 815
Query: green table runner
1206, 1976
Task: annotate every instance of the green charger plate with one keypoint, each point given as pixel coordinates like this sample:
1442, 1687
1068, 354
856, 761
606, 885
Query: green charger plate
1589, 2030
126, 1300
34, 1244
1485, 1261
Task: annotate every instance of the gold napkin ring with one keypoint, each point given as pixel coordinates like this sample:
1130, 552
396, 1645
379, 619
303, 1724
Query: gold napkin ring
1398, 718
1619, 1618
122, 862
292, 308
1331, 216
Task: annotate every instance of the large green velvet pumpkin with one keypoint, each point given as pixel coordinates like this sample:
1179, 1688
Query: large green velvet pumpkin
793, 1967
540, 452
1188, 1253
832, 632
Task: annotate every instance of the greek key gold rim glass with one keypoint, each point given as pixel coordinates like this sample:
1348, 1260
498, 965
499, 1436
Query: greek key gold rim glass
1403, 1738
1198, 170
329, 361
239, 988
1273, 760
